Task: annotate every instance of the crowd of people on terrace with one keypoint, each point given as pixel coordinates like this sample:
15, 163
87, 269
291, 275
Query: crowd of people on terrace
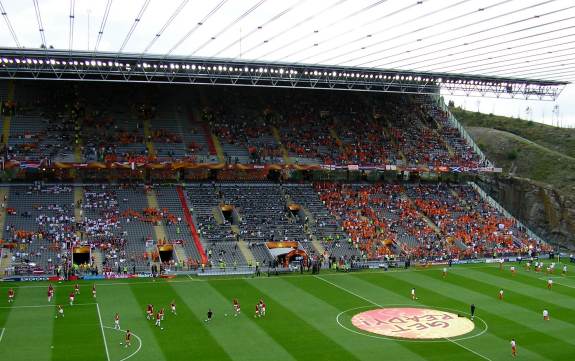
443, 221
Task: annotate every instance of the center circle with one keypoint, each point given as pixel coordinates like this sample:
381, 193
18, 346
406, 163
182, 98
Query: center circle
412, 323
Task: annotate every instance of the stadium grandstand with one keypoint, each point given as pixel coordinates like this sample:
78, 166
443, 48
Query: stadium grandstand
265, 138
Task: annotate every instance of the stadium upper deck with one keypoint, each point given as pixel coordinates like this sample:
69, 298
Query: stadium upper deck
102, 124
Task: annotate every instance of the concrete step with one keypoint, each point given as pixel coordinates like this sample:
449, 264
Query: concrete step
98, 259
318, 246
246, 252
218, 216
4, 194
5, 260
180, 254
159, 231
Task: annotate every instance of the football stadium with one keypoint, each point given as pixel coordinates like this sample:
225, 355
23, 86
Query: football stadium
287, 180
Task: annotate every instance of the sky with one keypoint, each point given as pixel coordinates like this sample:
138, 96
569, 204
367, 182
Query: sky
538, 111
515, 38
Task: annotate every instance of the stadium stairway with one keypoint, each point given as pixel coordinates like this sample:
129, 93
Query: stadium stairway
5, 253
159, 229
450, 149
218, 146
98, 259
278, 139
148, 137
317, 245
243, 246
4, 194
78, 198
334, 135
217, 213
393, 140
423, 216
5, 260
180, 254
7, 119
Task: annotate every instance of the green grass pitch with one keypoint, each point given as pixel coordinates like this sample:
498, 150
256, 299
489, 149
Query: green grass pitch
302, 320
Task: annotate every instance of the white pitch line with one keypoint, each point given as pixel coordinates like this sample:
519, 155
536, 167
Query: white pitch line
468, 349
133, 334
38, 306
2, 334
378, 305
103, 334
563, 284
348, 291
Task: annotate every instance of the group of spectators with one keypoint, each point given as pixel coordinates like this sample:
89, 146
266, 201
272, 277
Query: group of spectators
419, 220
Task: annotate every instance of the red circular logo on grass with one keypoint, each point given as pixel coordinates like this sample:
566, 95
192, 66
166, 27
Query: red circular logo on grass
413, 323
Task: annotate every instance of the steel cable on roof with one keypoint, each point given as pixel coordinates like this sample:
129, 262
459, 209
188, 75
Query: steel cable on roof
9, 25
502, 35
533, 75
336, 37
336, 22
570, 77
286, 31
493, 52
510, 41
456, 18
537, 68
261, 26
40, 25
134, 25
474, 33
228, 27
103, 24
448, 31
385, 30
165, 26
499, 65
196, 26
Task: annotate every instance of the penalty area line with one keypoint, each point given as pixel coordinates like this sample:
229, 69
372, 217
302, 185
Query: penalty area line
2, 334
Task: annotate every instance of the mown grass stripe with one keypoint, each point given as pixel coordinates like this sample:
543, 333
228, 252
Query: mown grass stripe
287, 328
503, 324
173, 343
122, 301
356, 286
528, 282
395, 291
517, 299
330, 301
225, 330
21, 325
79, 330
498, 341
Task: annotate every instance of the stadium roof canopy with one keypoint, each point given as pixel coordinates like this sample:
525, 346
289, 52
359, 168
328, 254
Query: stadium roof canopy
473, 47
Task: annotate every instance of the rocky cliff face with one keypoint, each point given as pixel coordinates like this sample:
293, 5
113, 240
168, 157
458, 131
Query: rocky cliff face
545, 211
